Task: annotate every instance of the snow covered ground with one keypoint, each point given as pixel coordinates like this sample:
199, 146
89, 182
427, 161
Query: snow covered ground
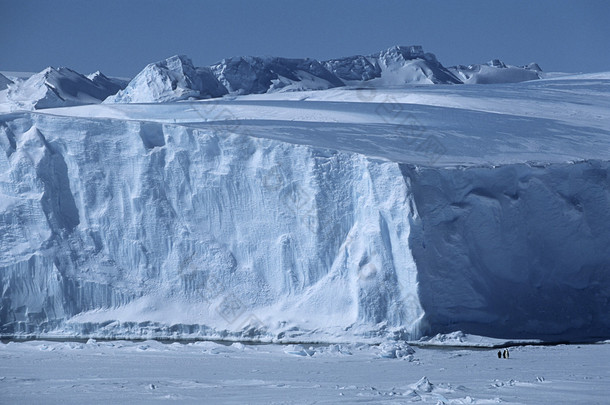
205, 372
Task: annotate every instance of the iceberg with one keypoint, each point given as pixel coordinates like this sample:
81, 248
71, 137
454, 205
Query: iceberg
348, 215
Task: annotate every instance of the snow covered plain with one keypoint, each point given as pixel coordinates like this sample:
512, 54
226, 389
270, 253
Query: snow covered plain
206, 372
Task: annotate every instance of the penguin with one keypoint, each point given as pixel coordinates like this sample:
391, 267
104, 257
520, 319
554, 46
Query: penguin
499, 354
505, 353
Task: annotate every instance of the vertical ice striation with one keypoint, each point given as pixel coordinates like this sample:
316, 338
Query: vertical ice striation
110, 224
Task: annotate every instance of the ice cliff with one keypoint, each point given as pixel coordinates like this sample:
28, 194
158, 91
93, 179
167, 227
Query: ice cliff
330, 219
521, 249
165, 224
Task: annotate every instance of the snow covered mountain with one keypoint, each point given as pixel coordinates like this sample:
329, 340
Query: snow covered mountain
59, 87
496, 71
334, 215
177, 79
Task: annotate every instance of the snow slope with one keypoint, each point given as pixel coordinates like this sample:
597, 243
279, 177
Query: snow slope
319, 216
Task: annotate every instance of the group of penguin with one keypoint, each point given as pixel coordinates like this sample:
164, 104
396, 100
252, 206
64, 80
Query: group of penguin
503, 354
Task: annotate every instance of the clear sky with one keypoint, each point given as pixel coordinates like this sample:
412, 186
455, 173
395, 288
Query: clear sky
120, 37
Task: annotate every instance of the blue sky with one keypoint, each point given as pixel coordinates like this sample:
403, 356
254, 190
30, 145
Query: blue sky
120, 37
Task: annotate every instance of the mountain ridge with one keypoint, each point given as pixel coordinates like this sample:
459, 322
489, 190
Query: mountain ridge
243, 75
177, 78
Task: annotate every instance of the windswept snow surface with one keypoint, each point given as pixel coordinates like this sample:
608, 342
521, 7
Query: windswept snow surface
337, 215
102, 372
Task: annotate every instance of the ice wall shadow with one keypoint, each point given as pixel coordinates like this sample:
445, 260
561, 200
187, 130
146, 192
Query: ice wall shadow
515, 251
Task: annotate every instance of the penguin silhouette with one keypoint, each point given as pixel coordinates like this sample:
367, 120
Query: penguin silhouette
499, 354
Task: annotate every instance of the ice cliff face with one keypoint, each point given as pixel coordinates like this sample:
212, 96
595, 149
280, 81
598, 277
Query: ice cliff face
113, 228
516, 250
210, 233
